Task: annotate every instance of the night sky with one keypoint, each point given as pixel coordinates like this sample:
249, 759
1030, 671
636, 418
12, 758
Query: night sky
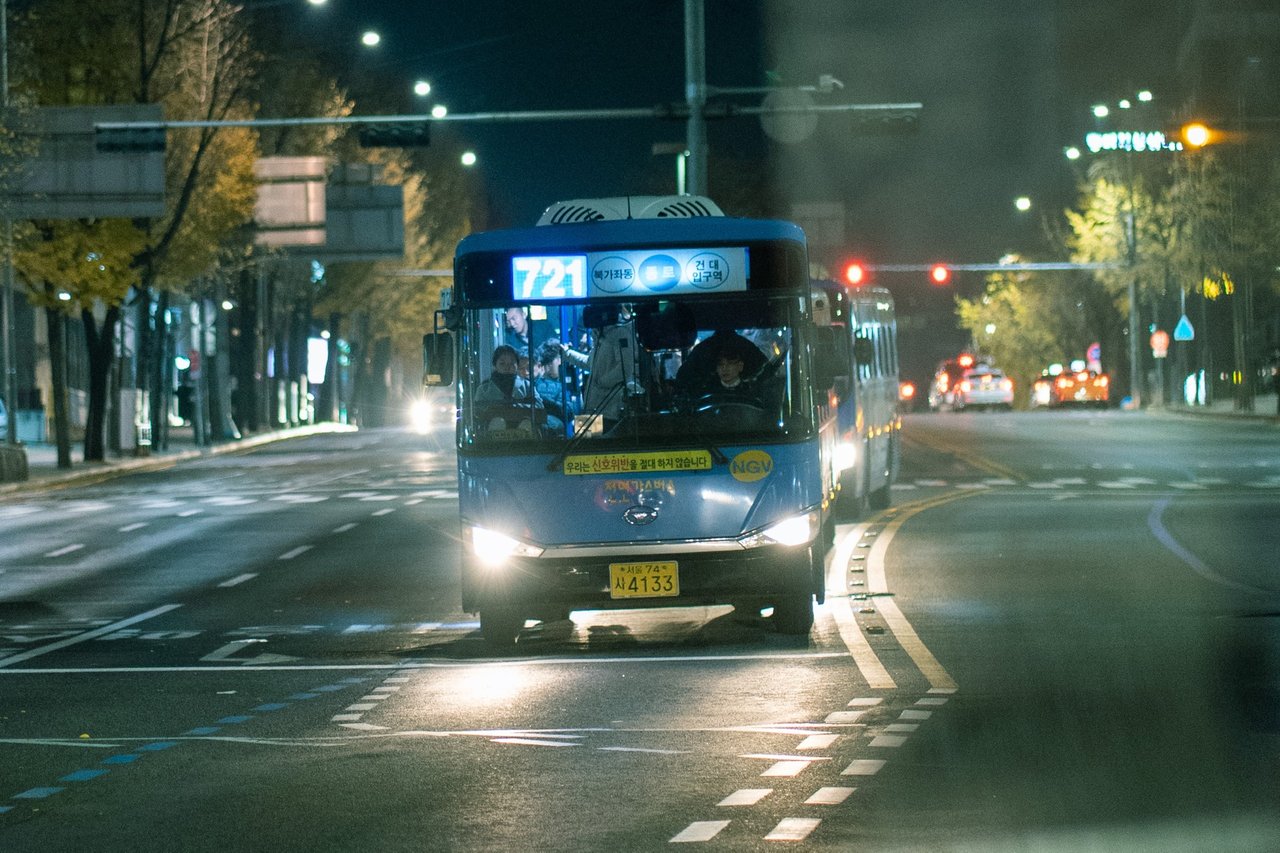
1005, 84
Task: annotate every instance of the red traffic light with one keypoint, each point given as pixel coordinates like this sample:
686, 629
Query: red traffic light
855, 274
939, 274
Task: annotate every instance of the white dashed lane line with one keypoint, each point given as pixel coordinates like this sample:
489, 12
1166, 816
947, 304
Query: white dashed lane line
239, 579
69, 549
296, 552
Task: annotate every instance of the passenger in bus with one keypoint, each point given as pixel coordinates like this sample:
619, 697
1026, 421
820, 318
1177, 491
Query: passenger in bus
507, 400
557, 398
613, 366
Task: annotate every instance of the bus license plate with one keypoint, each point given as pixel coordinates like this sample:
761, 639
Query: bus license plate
643, 580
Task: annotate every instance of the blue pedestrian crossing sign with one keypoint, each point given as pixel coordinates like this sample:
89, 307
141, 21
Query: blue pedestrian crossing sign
1183, 331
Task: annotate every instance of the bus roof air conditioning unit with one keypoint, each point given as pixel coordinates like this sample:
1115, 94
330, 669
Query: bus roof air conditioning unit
629, 207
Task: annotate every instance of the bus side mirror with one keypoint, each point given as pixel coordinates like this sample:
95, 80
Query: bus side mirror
863, 350
831, 355
437, 359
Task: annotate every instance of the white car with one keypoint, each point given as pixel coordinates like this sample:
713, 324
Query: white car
983, 386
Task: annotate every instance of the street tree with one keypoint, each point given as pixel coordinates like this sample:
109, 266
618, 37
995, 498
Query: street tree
192, 57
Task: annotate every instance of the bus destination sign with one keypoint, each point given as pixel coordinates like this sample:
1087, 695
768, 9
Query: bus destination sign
637, 273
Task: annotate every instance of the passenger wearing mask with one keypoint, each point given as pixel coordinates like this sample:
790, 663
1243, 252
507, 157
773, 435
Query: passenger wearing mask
507, 400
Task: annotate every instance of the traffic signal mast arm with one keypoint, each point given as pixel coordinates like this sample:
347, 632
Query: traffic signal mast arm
886, 113
1015, 267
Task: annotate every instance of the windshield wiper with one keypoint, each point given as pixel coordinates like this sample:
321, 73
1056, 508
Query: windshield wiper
717, 456
578, 435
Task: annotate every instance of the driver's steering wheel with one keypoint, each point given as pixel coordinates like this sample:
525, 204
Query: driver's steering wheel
726, 404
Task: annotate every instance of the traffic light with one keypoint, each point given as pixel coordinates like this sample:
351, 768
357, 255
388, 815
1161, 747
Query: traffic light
129, 140
939, 274
1197, 134
856, 274
394, 134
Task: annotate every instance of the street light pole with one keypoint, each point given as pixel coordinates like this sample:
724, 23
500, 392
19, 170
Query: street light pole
6, 316
695, 71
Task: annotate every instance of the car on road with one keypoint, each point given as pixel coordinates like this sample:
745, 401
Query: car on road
1075, 387
983, 387
949, 374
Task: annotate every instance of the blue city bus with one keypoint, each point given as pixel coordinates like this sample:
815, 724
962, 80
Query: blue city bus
667, 434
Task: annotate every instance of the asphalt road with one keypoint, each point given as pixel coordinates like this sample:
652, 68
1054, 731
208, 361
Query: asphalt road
1064, 635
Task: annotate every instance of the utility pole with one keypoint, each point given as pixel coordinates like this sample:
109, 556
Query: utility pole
695, 71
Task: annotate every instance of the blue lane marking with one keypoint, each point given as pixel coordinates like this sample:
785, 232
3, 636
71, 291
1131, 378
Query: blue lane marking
37, 793
156, 746
89, 774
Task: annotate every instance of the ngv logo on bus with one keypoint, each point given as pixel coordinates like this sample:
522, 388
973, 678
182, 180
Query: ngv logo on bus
751, 465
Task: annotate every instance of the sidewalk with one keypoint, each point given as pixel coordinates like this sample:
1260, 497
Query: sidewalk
42, 458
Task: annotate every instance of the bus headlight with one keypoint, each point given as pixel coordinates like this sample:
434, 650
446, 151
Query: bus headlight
493, 548
797, 530
846, 456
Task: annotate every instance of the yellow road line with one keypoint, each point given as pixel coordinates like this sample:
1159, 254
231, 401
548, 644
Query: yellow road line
897, 623
860, 650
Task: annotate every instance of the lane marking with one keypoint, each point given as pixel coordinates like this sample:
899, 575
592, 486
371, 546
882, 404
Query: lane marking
239, 579
386, 511
129, 528
350, 525
87, 635
888, 741
289, 555
699, 830
793, 829
528, 741
745, 797
863, 767
1155, 522
377, 667
864, 657
829, 796
62, 552
817, 742
897, 623
787, 769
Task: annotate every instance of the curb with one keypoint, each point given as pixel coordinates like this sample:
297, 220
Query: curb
99, 471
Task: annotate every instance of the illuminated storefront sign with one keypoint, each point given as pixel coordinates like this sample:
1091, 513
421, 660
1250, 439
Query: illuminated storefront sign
1130, 140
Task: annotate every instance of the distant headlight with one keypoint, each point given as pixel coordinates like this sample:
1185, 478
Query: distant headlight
797, 530
420, 415
493, 548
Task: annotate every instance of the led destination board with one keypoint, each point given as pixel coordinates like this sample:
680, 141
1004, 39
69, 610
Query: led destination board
638, 273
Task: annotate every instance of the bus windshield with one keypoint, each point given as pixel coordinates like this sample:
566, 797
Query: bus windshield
710, 370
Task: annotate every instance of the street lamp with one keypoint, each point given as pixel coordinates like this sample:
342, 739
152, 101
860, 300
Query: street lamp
422, 88
468, 158
439, 111
1022, 203
370, 38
